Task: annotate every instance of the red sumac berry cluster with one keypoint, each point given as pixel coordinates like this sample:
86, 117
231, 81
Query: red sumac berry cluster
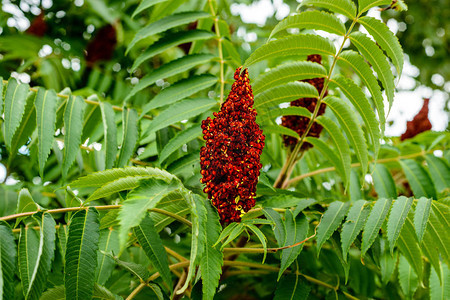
230, 160
299, 123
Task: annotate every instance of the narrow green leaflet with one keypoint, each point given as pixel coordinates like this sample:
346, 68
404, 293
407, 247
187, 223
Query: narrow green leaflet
144, 5
397, 217
45, 252
343, 150
284, 93
365, 5
165, 24
422, 213
180, 111
63, 232
409, 247
28, 257
379, 62
279, 129
212, 259
439, 171
418, 178
387, 262
331, 220
350, 124
25, 204
262, 238
431, 252
386, 39
73, 127
171, 40
130, 136
356, 218
1, 95
440, 290
372, 227
172, 68
304, 204
383, 181
301, 44
359, 100
98, 179
45, 103
407, 278
137, 270
439, 235
7, 261
100, 292
362, 69
110, 134
139, 201
181, 138
25, 129
288, 72
15, 100
153, 247
180, 90
296, 232
108, 242
278, 227
344, 7
198, 217
292, 287
267, 115
81, 254
314, 19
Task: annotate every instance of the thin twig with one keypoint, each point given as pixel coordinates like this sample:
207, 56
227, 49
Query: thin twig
354, 165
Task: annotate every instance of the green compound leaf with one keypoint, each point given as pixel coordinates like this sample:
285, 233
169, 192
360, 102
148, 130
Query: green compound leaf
81, 254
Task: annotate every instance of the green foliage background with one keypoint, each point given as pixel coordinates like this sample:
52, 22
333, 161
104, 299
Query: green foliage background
102, 198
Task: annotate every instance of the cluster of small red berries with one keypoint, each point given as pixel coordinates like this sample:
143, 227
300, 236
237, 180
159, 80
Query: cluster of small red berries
230, 160
298, 123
